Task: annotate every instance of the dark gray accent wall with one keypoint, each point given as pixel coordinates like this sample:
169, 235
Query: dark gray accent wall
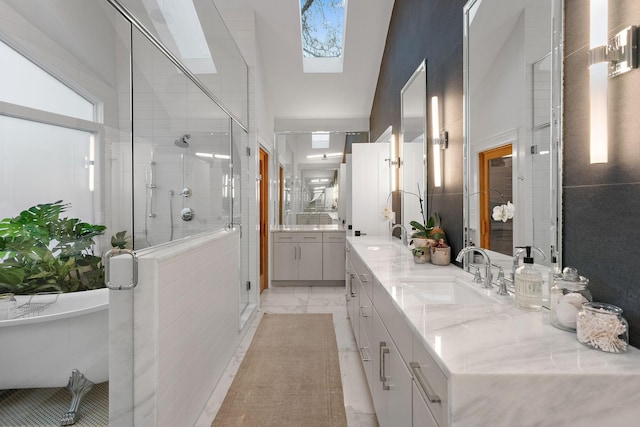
431, 30
601, 202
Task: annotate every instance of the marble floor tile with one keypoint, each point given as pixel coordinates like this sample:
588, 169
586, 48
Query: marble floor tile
302, 299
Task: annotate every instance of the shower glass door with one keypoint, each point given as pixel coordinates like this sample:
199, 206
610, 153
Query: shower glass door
182, 157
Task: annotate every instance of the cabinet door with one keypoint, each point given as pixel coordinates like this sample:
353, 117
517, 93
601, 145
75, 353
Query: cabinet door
310, 261
352, 301
333, 261
392, 394
421, 414
285, 261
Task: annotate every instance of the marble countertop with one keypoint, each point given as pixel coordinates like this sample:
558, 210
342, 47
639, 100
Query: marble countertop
496, 354
306, 228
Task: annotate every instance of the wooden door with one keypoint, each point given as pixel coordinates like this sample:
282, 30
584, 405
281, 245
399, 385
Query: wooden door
492, 191
281, 195
264, 220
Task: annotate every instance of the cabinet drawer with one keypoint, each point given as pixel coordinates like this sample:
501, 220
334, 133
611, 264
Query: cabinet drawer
334, 237
393, 319
430, 382
284, 237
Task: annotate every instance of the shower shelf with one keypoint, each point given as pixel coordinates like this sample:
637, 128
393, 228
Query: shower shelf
36, 303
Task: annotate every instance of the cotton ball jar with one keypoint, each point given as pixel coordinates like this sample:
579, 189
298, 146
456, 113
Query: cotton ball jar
567, 309
567, 295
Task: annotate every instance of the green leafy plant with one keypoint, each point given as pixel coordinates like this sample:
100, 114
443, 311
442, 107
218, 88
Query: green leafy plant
40, 252
419, 251
432, 229
119, 240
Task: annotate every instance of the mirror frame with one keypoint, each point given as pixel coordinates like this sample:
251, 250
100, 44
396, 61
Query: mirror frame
422, 68
555, 199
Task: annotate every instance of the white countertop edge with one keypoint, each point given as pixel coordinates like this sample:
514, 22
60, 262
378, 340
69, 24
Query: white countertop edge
466, 340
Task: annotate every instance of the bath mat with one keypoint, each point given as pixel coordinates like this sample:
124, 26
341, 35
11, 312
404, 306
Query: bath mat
290, 376
43, 407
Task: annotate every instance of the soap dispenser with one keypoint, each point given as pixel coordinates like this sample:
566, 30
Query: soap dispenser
528, 284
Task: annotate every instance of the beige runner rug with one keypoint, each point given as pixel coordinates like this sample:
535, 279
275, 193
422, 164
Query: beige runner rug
290, 376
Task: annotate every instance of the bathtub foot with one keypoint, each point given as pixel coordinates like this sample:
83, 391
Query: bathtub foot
78, 386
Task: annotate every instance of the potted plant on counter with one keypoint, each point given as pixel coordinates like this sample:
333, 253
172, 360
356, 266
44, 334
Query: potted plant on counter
420, 254
440, 253
432, 236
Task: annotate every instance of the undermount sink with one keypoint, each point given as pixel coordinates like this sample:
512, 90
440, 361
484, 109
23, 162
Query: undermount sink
446, 290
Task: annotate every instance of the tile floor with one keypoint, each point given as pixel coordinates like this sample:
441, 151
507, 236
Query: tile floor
307, 299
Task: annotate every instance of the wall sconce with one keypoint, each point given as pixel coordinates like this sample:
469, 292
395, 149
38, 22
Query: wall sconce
607, 58
439, 141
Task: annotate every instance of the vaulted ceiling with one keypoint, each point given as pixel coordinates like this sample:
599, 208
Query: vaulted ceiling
294, 95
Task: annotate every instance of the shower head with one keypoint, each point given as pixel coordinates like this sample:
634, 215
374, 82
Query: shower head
183, 141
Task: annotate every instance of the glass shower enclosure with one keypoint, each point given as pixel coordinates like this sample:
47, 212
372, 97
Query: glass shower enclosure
102, 110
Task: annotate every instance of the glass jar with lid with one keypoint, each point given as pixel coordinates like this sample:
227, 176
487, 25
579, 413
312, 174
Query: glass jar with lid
601, 326
567, 295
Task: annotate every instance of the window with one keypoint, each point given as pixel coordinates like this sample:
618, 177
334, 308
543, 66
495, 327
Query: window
322, 27
24, 83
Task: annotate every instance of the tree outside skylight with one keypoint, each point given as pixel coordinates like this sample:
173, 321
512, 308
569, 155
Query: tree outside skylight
322, 28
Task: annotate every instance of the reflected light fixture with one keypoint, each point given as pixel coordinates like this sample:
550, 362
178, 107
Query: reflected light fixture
439, 142
607, 58
324, 156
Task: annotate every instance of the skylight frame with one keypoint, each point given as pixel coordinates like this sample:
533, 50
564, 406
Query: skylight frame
332, 63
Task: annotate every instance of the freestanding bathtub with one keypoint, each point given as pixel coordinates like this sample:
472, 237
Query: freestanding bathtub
43, 350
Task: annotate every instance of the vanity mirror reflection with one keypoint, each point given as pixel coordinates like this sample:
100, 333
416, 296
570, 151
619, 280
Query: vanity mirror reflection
513, 73
414, 127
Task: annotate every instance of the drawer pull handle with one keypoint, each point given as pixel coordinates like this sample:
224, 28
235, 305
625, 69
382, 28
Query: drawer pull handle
363, 355
363, 312
424, 388
364, 277
383, 366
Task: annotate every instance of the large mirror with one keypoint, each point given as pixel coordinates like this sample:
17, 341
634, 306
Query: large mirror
313, 175
414, 128
513, 73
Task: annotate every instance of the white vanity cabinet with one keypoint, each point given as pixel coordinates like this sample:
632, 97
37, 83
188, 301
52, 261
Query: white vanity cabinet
310, 253
421, 416
384, 359
391, 392
333, 259
297, 256
431, 383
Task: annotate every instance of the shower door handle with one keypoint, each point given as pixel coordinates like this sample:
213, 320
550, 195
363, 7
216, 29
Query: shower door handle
107, 269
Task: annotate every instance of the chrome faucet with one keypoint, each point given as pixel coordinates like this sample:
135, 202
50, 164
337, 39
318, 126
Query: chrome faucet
488, 276
403, 233
516, 263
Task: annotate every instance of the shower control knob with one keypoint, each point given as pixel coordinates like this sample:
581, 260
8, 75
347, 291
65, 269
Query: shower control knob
187, 214
186, 192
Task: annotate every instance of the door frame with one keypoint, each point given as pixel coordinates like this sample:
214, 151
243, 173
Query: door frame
484, 157
263, 165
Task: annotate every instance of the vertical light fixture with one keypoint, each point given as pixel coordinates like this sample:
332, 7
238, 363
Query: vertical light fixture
435, 135
607, 58
598, 81
438, 142
393, 155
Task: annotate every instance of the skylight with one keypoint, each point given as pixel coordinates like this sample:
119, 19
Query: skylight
320, 140
178, 26
322, 26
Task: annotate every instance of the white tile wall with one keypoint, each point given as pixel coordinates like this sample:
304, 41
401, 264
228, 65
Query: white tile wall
186, 326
